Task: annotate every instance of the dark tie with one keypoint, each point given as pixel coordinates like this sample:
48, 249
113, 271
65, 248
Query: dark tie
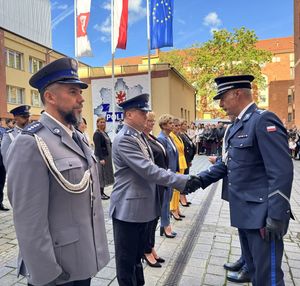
77, 140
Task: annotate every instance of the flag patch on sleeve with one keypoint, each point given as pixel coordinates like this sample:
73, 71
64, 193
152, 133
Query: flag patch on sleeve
271, 128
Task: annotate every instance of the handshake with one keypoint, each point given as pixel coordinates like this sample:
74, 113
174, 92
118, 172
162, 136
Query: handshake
193, 184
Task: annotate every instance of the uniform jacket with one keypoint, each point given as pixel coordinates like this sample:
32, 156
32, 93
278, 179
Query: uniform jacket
136, 177
56, 230
259, 170
172, 153
7, 139
189, 147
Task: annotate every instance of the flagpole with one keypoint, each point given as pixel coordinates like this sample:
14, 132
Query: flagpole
149, 62
75, 27
113, 98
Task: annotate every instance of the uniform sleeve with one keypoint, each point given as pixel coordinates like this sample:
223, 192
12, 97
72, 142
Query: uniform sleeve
132, 155
213, 174
28, 192
5, 143
273, 145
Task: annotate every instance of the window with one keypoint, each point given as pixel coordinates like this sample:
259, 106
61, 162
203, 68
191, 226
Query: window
14, 59
15, 95
35, 98
275, 59
290, 117
181, 112
290, 99
35, 64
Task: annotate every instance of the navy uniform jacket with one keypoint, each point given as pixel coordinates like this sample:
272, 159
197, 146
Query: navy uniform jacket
259, 170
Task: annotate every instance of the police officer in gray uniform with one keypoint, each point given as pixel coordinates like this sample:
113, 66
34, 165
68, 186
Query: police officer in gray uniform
54, 189
21, 116
259, 184
134, 200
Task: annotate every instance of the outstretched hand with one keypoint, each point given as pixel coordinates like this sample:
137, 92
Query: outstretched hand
275, 229
193, 184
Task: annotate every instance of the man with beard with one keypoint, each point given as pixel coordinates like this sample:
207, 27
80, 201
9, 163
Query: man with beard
54, 189
21, 117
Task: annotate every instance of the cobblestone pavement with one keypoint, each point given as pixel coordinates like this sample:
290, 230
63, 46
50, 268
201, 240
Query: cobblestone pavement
204, 242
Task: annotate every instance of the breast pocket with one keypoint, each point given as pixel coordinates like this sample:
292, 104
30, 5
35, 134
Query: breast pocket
71, 168
242, 149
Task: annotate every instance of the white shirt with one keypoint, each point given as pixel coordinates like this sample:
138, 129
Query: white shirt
244, 110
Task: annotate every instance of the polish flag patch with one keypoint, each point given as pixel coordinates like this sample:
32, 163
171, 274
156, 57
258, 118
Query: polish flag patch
271, 128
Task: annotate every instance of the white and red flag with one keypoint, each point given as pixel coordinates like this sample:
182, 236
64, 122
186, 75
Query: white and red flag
120, 24
83, 47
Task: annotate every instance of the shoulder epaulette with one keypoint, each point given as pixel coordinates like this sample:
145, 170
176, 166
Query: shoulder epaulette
9, 130
32, 128
260, 111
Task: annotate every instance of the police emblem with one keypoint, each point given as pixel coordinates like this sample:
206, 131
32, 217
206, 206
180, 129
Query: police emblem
74, 64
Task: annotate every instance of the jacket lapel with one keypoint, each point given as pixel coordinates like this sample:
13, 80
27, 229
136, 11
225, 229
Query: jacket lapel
234, 128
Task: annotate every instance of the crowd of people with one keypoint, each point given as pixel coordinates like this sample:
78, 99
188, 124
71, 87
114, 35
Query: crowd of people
56, 182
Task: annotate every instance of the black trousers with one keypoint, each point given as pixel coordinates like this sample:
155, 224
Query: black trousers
86, 282
2, 179
130, 241
150, 235
263, 258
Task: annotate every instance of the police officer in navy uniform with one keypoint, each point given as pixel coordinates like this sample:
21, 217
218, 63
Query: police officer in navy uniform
21, 116
259, 184
53, 187
134, 200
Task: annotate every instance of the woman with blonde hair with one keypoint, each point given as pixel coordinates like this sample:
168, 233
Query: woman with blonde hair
166, 125
102, 144
161, 160
174, 205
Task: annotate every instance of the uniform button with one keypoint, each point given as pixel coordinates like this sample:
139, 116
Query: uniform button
230, 146
229, 159
94, 214
260, 199
241, 145
229, 184
56, 243
70, 164
229, 171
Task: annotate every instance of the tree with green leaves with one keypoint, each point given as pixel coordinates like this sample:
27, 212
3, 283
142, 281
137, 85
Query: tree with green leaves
225, 54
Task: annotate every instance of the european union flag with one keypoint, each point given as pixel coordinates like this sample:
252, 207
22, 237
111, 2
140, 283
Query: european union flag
161, 23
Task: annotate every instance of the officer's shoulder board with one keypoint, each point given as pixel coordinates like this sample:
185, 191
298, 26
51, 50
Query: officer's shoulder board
131, 133
32, 128
260, 111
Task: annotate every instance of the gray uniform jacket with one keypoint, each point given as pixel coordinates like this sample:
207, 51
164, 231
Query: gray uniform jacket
134, 193
8, 137
56, 230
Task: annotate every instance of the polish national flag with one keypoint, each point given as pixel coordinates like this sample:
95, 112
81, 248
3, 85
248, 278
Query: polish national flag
82, 20
120, 24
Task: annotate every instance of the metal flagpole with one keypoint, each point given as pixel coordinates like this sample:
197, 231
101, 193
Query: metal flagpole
149, 63
75, 27
113, 97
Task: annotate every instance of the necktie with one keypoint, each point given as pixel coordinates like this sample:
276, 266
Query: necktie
77, 140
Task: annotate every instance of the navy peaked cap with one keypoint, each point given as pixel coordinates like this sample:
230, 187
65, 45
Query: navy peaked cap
64, 70
138, 102
21, 110
226, 83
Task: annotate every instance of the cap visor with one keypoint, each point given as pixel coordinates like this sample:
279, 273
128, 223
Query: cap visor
82, 85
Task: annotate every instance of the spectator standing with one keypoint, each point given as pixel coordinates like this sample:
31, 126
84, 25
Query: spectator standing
161, 160
2, 172
174, 205
166, 124
102, 145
